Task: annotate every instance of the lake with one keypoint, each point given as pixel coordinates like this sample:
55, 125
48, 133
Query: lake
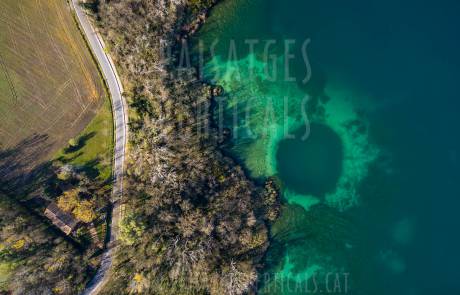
352, 107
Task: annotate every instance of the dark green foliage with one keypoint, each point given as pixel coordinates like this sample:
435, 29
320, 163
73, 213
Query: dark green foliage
200, 5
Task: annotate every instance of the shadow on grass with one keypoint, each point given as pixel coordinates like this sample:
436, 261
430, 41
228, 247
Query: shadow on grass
90, 169
20, 171
80, 143
22, 178
65, 160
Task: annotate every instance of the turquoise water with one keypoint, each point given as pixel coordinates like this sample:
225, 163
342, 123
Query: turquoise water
357, 120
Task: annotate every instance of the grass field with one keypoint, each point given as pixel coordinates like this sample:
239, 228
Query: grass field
5, 269
50, 92
5, 274
94, 146
49, 84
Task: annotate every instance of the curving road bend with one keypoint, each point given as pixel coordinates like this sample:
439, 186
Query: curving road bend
120, 126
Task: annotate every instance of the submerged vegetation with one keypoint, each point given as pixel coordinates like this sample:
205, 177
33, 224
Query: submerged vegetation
193, 223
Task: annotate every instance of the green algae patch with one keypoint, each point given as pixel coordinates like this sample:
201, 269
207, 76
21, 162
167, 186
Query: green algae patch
320, 176
307, 246
5, 272
320, 169
263, 114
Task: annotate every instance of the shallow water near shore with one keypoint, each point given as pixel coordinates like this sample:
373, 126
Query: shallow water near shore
366, 148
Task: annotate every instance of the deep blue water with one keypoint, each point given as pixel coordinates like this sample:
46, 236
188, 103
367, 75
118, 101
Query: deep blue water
405, 56
400, 62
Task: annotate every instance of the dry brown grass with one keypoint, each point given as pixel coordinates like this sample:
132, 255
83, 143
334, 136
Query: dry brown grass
49, 84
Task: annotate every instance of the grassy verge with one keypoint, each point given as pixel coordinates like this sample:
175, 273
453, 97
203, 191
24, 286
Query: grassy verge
93, 148
5, 273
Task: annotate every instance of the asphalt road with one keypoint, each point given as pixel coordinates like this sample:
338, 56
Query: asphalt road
120, 127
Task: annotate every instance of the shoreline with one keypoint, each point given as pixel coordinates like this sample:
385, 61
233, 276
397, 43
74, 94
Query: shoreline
212, 184
271, 184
